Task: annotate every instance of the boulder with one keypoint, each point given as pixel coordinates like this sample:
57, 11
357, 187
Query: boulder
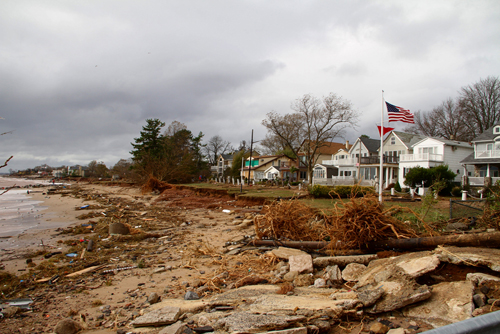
68, 326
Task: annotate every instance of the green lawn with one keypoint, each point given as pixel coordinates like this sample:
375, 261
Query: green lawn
437, 212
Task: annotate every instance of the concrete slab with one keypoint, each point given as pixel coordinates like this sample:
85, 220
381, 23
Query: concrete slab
473, 256
160, 317
450, 302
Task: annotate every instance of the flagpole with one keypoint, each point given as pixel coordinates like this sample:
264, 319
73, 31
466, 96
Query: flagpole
381, 153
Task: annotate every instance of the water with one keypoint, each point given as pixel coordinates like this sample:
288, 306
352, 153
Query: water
18, 211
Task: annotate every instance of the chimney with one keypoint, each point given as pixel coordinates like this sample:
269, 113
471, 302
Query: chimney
452, 137
347, 146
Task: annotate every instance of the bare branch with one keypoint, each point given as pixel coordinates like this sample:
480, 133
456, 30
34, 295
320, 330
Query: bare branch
6, 161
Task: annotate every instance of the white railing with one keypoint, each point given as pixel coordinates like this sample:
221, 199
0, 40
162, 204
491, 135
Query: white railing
476, 181
488, 154
494, 180
420, 157
340, 162
350, 178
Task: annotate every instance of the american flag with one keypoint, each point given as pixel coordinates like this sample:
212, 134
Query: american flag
399, 114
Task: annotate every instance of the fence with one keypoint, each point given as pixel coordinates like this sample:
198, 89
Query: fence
467, 208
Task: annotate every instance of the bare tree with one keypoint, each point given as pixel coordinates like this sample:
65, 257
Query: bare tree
480, 105
216, 146
444, 121
313, 123
475, 110
273, 144
174, 127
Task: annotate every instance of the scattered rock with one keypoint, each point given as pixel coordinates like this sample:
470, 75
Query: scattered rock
203, 329
301, 263
352, 271
153, 298
416, 267
176, 328
285, 252
191, 295
333, 274
343, 261
378, 328
299, 330
479, 300
255, 323
303, 280
160, 317
370, 297
320, 283
399, 330
290, 276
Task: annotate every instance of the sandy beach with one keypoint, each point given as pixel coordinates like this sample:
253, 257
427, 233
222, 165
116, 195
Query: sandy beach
60, 216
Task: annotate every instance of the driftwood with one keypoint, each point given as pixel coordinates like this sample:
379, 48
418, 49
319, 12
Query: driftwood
462, 240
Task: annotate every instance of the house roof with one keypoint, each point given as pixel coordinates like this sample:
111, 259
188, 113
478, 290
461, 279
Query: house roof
227, 156
372, 145
469, 160
328, 147
408, 139
447, 142
487, 135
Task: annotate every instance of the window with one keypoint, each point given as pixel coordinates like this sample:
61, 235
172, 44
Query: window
496, 129
393, 140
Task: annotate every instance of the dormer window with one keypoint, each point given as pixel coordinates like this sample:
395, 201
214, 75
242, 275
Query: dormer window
496, 129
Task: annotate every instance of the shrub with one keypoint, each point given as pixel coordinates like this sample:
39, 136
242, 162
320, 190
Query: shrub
456, 191
319, 191
397, 187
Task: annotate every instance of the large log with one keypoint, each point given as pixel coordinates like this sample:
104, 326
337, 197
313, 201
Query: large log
490, 239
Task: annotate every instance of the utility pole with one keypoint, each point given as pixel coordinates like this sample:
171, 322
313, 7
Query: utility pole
250, 161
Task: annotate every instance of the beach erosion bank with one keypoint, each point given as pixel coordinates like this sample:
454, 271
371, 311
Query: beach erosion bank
28, 213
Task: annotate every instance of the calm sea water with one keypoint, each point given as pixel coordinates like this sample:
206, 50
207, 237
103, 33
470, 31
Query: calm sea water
18, 211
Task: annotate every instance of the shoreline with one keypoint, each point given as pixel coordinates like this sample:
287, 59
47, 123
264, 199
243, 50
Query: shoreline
48, 213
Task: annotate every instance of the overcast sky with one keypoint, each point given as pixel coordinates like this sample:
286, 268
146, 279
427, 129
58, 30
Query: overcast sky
79, 78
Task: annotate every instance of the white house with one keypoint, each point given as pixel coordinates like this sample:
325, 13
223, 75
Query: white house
486, 157
431, 152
